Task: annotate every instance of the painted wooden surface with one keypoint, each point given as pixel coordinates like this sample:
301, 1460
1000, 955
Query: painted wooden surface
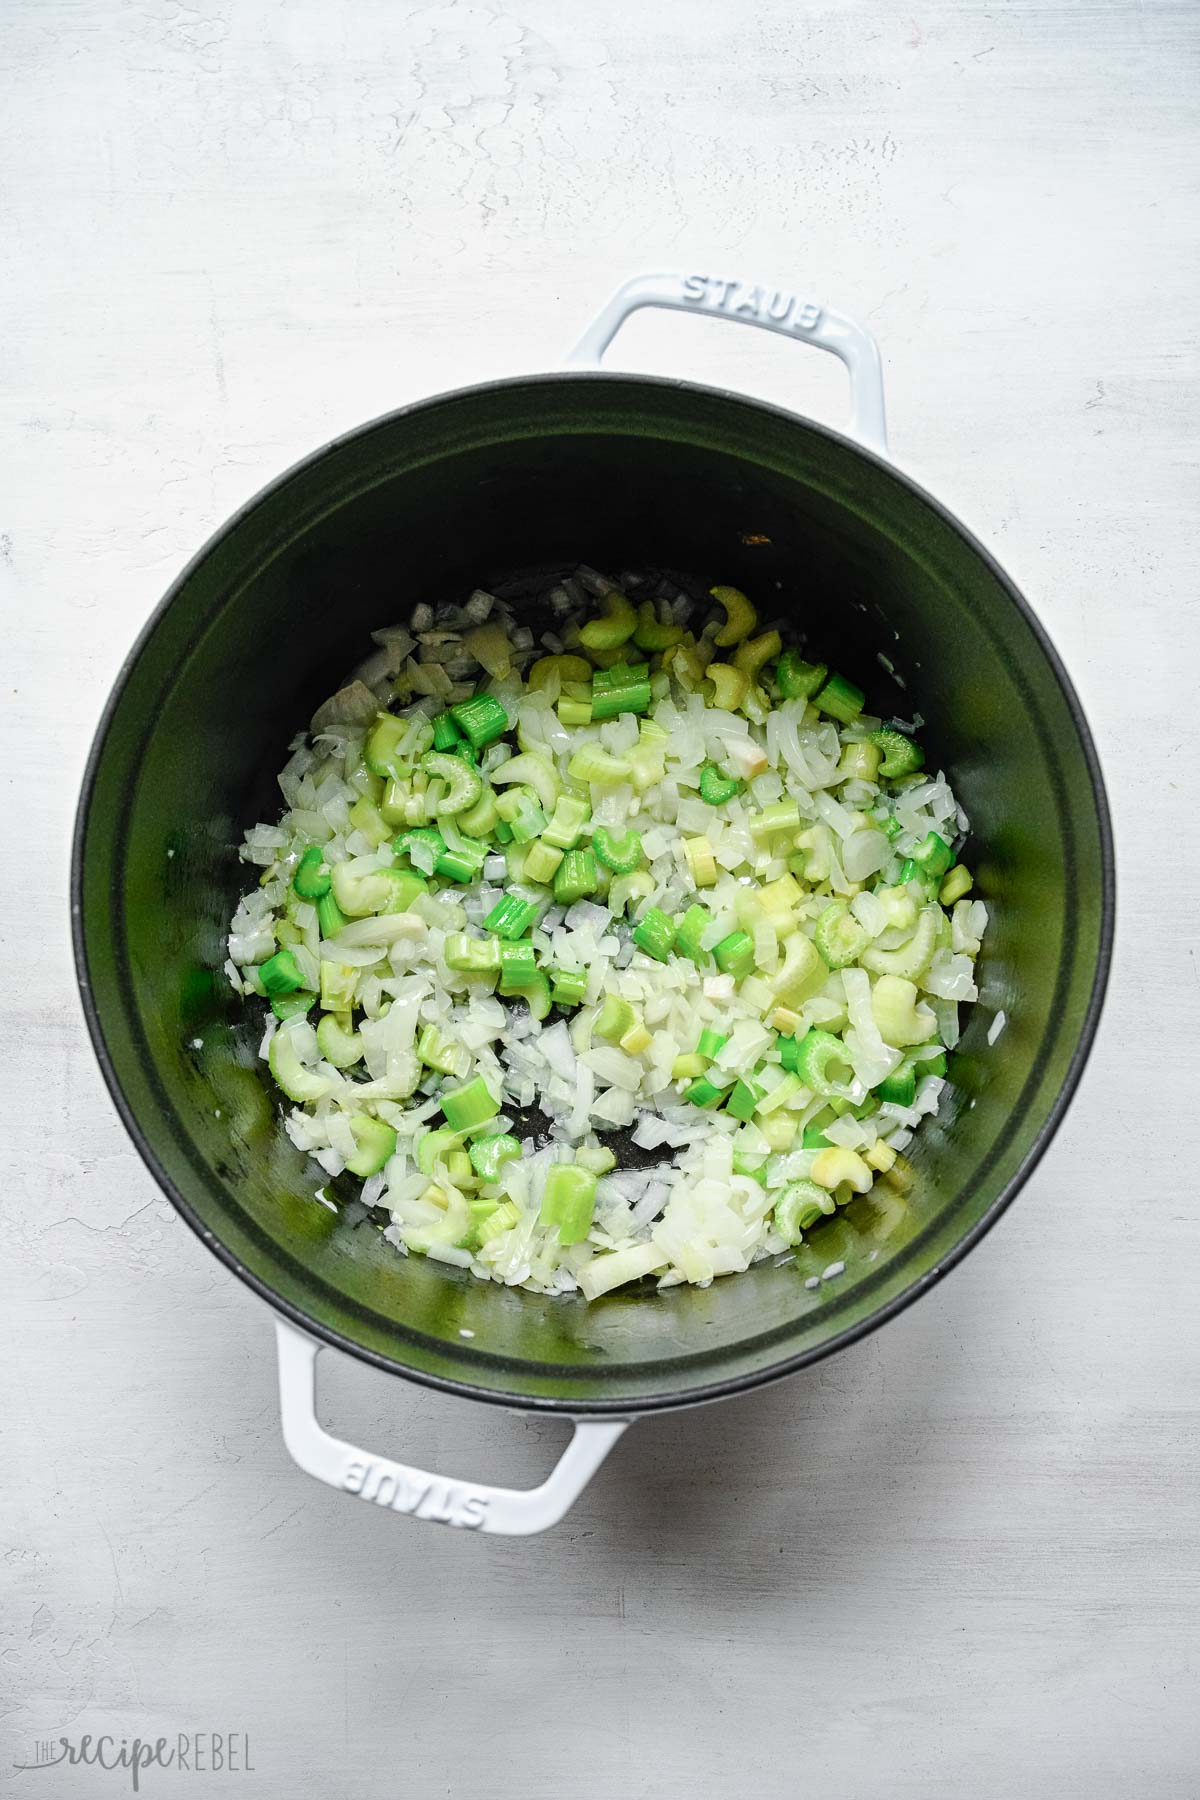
960, 1559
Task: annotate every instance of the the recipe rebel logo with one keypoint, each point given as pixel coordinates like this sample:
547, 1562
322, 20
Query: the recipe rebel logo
194, 1753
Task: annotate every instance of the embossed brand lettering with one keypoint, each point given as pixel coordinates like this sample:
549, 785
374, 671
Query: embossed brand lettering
770, 306
442, 1501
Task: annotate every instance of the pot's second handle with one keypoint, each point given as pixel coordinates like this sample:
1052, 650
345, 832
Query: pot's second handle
771, 309
513, 1511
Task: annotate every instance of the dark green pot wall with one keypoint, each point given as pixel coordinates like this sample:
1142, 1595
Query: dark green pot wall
463, 492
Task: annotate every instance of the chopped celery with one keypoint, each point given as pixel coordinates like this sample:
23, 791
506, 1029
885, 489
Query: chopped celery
804, 971
437, 1051
595, 766
933, 856
280, 974
435, 1146
289, 1006
614, 1019
839, 937
753, 654
480, 720
337, 1043
799, 1207
702, 864
312, 877
779, 1129
459, 1169
535, 992
627, 889
339, 982
473, 956
620, 854
735, 954
489, 1154
383, 743
703, 1092
542, 862
445, 732
576, 877
797, 679
740, 616
468, 1107
783, 815
462, 863
284, 1059
513, 916
655, 934
497, 1223
840, 699
376, 1143
574, 712
650, 635
609, 632
568, 1201
899, 1088
900, 755
688, 932
564, 668
838, 1166
568, 820
900, 1018
480, 820
817, 1056
518, 965
330, 917
366, 817
716, 788
360, 892
859, 762
533, 769
452, 1222
911, 959
419, 837
568, 987
743, 1099
621, 689
463, 785
729, 686
956, 886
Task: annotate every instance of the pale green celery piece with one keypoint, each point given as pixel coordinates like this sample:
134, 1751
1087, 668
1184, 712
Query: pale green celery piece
337, 1043
912, 959
299, 1083
536, 771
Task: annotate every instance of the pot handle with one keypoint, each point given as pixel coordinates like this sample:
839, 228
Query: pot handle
771, 309
515, 1512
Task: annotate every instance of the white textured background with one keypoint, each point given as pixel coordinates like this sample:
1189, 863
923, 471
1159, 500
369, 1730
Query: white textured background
961, 1559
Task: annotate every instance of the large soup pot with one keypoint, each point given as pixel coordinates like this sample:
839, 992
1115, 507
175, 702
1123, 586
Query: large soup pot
472, 489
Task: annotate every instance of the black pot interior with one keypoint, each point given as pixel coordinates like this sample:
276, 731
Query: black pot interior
503, 487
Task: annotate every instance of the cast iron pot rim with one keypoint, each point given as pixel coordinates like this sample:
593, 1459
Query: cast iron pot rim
713, 1390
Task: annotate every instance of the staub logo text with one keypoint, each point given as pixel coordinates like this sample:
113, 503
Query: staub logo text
423, 1496
771, 306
